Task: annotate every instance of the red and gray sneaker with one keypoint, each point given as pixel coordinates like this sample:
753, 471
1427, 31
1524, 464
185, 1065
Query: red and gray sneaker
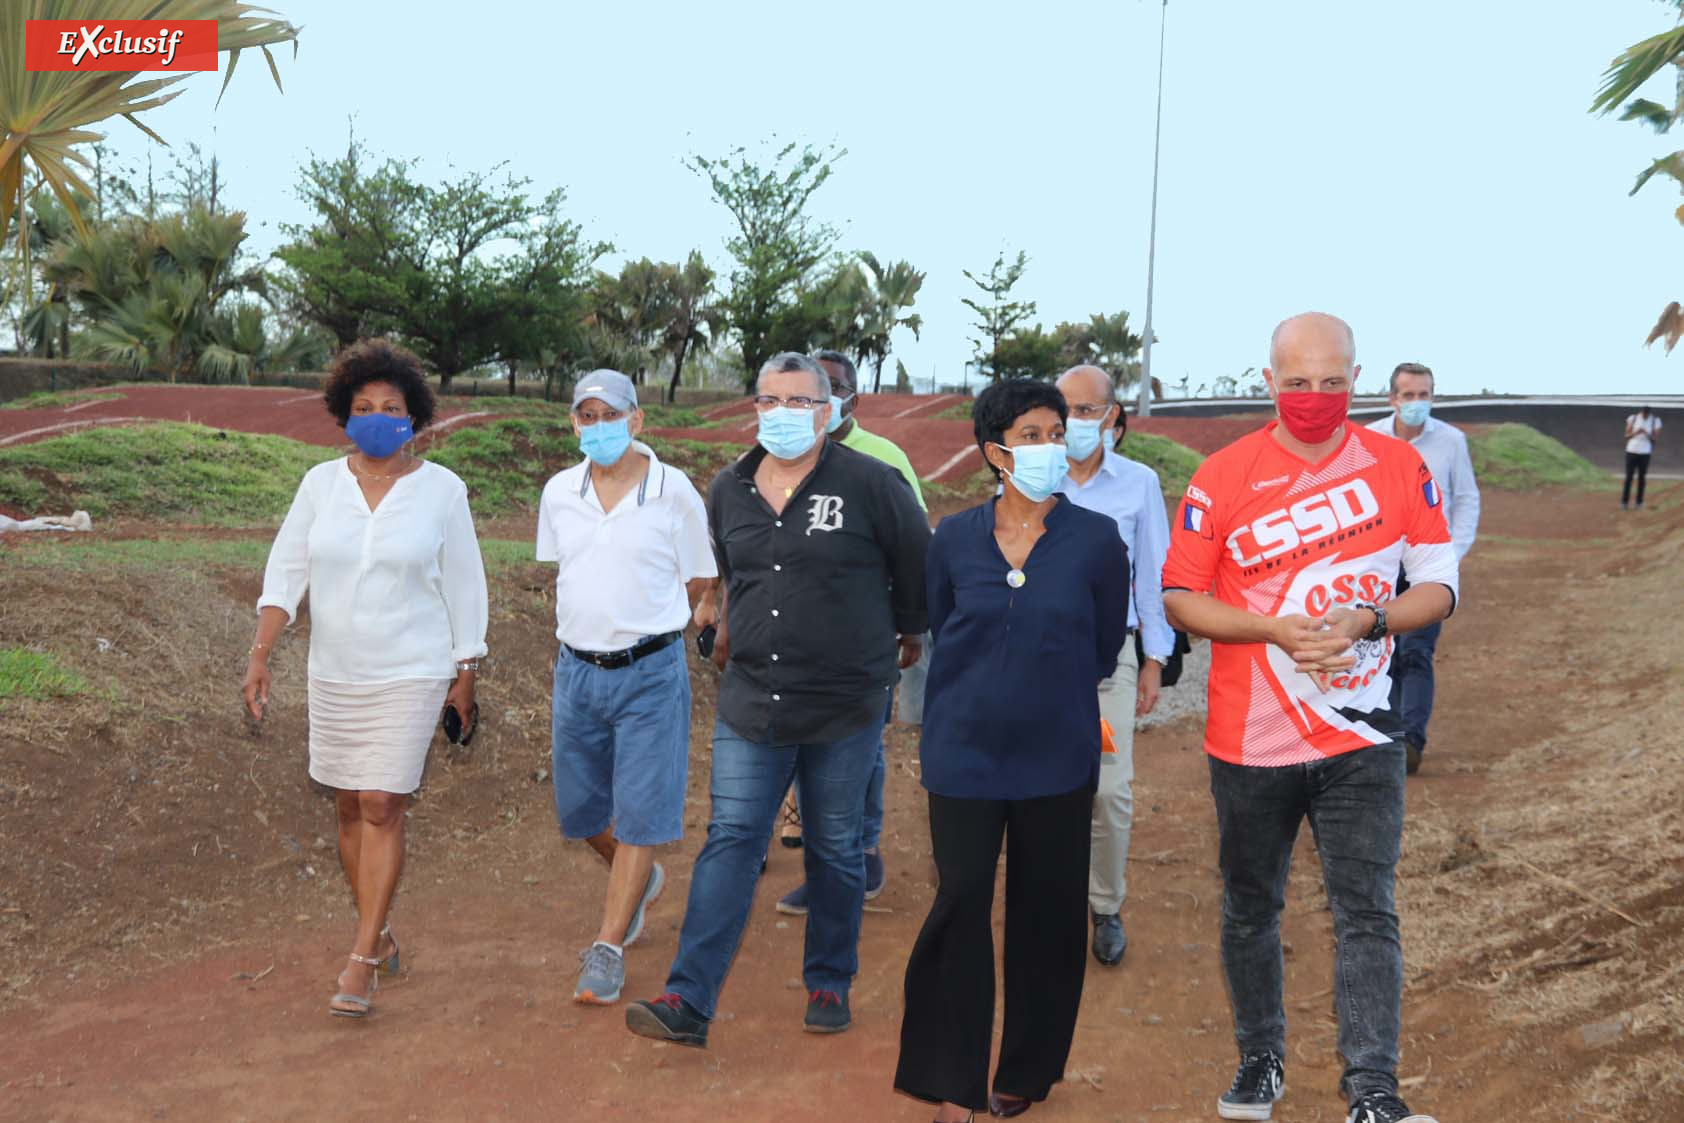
668, 1018
1260, 1081
1383, 1107
827, 1012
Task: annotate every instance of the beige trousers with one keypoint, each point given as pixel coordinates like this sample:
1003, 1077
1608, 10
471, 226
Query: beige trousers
1113, 803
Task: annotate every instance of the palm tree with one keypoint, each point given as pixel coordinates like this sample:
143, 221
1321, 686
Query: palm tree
165, 294
1624, 76
893, 289
629, 314
45, 115
696, 317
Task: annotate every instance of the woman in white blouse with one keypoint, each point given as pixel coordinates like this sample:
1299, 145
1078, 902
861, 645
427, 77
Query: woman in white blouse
384, 543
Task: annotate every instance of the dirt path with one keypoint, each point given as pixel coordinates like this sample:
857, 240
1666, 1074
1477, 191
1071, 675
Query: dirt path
481, 1026
280, 411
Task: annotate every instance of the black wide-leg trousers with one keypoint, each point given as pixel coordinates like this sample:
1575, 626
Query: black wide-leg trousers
948, 1026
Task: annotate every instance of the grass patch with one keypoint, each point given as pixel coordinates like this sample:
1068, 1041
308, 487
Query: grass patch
960, 412
168, 471
1519, 458
53, 399
89, 554
175, 472
1174, 462
35, 674
506, 463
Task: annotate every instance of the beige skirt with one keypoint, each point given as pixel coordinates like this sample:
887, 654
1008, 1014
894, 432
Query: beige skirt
373, 736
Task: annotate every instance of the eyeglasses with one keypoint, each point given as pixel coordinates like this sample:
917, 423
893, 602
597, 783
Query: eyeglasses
1088, 411
766, 402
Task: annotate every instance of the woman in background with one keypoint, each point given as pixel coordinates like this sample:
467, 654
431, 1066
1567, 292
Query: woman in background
384, 544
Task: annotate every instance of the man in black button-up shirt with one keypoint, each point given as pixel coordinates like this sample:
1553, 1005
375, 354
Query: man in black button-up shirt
821, 550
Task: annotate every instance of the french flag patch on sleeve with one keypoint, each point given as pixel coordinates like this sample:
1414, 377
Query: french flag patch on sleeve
1195, 519
1430, 490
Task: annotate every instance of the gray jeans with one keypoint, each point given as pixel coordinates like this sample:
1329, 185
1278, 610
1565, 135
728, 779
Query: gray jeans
1355, 806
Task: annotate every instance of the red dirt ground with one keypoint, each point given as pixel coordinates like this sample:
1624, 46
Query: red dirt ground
248, 409
493, 907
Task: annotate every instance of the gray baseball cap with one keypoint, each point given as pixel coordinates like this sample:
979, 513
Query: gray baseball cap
606, 386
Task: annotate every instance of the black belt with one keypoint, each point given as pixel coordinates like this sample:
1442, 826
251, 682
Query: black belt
614, 660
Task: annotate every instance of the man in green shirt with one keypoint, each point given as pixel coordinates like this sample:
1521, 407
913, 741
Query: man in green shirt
844, 391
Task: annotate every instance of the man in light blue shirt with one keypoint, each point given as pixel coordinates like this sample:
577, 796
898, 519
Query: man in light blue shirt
1445, 449
1129, 493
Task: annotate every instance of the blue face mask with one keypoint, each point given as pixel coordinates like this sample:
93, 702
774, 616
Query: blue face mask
787, 434
606, 441
1038, 470
836, 418
1415, 413
1081, 438
379, 435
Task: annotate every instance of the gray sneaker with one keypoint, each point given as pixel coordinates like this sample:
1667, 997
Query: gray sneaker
651, 889
601, 976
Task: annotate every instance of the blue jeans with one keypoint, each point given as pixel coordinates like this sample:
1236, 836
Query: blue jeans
620, 747
1412, 681
1355, 806
749, 782
873, 825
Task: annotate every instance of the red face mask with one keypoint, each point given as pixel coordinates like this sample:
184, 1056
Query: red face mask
1312, 417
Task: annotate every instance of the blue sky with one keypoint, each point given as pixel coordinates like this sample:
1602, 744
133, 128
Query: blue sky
1428, 171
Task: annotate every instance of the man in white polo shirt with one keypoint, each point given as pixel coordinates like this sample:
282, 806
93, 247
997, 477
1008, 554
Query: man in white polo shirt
629, 535
1445, 449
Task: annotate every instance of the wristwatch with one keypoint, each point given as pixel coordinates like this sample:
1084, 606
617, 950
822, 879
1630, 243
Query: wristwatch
1378, 632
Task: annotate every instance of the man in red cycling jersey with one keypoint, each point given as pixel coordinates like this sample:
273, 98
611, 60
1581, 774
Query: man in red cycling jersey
1285, 553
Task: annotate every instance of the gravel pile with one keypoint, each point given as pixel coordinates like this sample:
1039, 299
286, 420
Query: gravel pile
1186, 699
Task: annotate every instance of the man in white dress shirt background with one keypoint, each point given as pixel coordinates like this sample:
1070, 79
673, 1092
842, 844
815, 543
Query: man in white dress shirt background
1108, 483
630, 539
1445, 449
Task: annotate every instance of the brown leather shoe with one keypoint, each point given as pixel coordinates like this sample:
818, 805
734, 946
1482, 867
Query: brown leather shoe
1007, 1107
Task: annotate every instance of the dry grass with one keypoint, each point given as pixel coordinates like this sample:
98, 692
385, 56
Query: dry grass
1560, 904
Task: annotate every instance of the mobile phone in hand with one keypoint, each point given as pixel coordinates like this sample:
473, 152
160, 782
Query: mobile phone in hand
704, 641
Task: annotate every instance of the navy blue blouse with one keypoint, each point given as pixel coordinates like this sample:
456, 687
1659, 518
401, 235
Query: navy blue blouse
1011, 706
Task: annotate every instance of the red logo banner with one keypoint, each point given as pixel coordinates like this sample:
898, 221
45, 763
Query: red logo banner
108, 45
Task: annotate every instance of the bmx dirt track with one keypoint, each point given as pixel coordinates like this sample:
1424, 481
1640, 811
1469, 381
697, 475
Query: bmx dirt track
171, 918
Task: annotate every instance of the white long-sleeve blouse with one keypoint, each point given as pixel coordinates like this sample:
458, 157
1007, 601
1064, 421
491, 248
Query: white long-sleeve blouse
396, 593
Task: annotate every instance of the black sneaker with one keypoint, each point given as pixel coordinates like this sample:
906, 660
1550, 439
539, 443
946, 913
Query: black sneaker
1260, 1081
827, 1012
1383, 1107
668, 1018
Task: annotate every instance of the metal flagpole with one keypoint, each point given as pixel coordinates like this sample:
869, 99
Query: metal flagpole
1145, 408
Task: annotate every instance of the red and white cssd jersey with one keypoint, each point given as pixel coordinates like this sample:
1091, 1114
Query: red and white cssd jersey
1262, 530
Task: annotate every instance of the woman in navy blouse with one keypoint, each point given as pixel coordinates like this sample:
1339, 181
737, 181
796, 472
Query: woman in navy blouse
1028, 598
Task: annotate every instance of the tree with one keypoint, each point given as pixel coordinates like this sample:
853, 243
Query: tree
1624, 76
778, 247
997, 315
1029, 352
696, 320
633, 310
45, 115
169, 295
891, 290
344, 269
469, 272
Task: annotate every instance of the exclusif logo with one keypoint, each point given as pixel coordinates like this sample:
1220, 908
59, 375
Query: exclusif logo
120, 45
